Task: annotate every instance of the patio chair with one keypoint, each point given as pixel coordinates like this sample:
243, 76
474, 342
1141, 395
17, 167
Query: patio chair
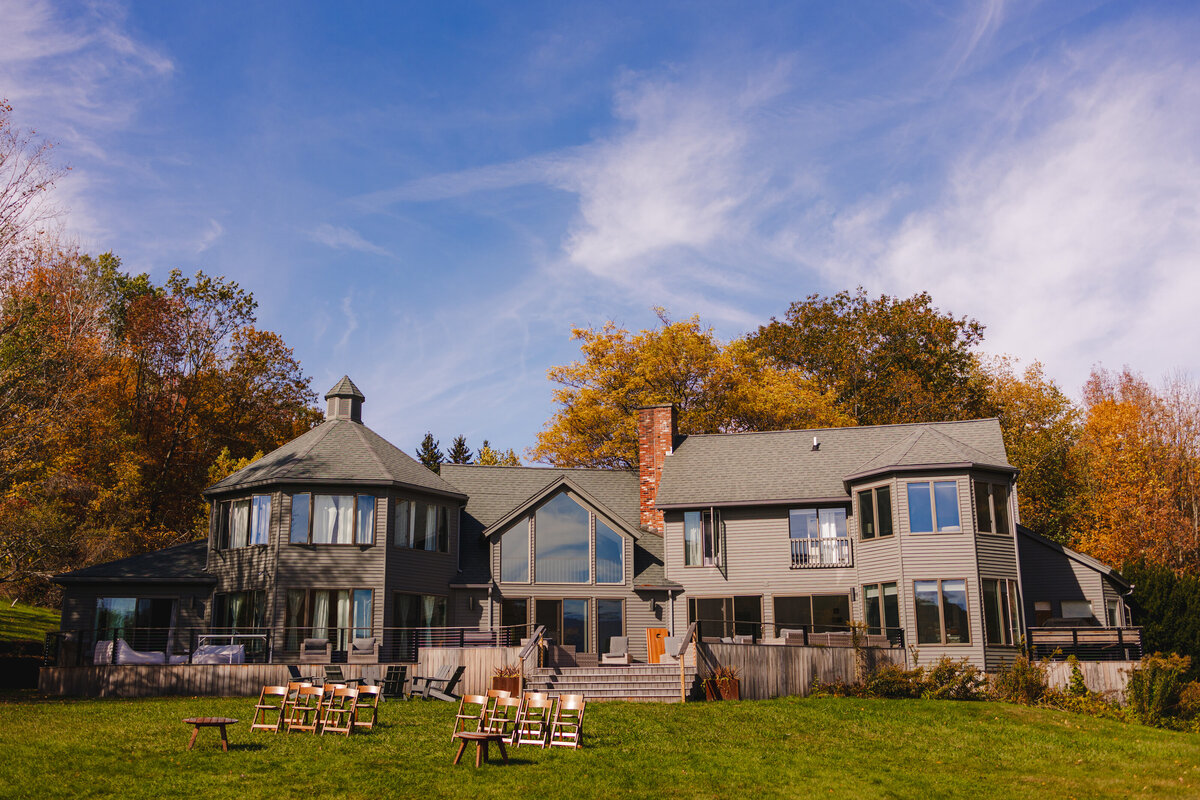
295, 676
272, 701
316, 651
305, 714
468, 719
420, 685
366, 710
533, 721
618, 651
567, 728
503, 717
394, 680
363, 651
447, 693
743, 639
670, 645
338, 716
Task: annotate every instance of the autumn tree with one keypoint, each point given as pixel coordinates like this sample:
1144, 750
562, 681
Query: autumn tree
490, 457
1041, 428
717, 387
27, 174
459, 452
429, 453
884, 360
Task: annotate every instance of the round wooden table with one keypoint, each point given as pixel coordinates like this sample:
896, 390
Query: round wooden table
481, 745
209, 722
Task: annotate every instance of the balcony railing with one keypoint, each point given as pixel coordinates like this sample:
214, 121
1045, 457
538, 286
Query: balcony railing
815, 553
729, 631
130, 645
1086, 644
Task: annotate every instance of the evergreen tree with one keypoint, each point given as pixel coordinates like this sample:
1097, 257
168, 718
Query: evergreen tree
430, 453
459, 452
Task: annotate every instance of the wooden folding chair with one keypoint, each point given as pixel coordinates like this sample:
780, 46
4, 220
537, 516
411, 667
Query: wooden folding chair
503, 718
338, 716
467, 716
493, 695
272, 700
367, 706
567, 728
533, 720
306, 711
293, 689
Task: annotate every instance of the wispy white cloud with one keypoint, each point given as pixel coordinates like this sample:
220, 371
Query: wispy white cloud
342, 238
351, 321
209, 236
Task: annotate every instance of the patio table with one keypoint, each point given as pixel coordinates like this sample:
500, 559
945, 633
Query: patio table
209, 722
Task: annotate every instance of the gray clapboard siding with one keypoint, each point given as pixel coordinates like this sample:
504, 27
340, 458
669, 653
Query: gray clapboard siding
767, 671
202, 680
1107, 677
1052, 576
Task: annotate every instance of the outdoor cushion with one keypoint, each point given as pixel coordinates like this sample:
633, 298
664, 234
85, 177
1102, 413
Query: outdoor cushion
219, 654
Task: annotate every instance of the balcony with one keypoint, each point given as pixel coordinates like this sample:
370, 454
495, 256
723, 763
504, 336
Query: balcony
1086, 643
817, 553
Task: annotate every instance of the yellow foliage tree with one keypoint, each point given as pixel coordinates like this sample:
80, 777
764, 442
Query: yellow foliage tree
718, 388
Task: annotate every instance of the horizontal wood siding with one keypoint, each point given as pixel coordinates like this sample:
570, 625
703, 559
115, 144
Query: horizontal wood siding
1108, 677
767, 671
481, 663
468, 608
1050, 575
202, 680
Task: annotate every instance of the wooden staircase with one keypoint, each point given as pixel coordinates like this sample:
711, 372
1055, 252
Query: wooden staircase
639, 682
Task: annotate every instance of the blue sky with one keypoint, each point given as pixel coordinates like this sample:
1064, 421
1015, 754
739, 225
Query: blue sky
430, 196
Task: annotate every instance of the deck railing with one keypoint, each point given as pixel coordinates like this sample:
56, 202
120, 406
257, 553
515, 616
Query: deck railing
131, 645
1086, 644
746, 632
813, 553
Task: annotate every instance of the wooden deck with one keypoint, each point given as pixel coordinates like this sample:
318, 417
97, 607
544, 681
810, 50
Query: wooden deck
207, 680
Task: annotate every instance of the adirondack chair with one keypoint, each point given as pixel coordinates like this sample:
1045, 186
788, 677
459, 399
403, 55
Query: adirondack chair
394, 680
447, 693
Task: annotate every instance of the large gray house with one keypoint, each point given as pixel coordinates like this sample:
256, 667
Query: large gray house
912, 530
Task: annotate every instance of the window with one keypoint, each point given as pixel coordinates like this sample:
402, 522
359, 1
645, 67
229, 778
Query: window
820, 613
566, 621
610, 556
991, 507
1113, 607
700, 545
881, 608
415, 615
610, 622
726, 616
560, 544
338, 615
514, 553
332, 519
514, 614
1001, 618
1042, 612
146, 623
422, 526
926, 507
818, 537
1077, 609
875, 512
942, 612
244, 522
239, 610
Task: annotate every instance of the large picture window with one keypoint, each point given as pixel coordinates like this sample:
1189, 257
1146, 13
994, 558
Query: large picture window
818, 613
875, 513
337, 615
146, 623
514, 553
942, 612
701, 543
991, 508
418, 616
933, 506
1001, 619
422, 526
726, 616
244, 522
560, 542
610, 555
332, 519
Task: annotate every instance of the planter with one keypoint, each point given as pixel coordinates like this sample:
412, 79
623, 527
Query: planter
510, 684
722, 689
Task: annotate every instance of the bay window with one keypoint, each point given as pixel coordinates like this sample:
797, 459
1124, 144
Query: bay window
933, 506
332, 519
337, 615
991, 507
422, 526
941, 607
875, 513
1001, 618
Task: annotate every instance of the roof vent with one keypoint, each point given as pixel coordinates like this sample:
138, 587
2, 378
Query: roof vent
816, 444
344, 401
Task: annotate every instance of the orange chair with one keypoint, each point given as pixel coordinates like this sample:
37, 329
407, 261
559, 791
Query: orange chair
470, 716
306, 711
338, 716
272, 701
567, 728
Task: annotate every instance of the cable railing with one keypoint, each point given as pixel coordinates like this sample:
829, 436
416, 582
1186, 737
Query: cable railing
259, 645
734, 631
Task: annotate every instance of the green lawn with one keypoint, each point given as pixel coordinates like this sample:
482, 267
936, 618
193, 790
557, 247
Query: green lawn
779, 748
21, 623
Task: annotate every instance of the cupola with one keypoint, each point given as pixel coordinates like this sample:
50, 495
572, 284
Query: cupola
344, 401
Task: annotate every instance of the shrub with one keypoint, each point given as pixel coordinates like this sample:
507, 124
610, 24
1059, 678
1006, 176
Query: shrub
893, 680
1077, 687
1154, 687
955, 680
1024, 681
1091, 703
507, 671
1189, 700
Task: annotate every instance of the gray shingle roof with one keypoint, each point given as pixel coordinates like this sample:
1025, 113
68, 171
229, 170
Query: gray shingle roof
337, 451
494, 492
782, 466
345, 388
182, 563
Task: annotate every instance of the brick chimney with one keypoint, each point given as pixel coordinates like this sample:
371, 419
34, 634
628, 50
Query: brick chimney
656, 439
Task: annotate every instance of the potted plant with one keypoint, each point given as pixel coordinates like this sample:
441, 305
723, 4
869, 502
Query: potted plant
723, 685
507, 676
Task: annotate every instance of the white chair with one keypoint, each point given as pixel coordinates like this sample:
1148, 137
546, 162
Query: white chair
618, 651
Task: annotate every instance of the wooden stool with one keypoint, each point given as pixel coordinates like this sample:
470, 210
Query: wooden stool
481, 740
209, 722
